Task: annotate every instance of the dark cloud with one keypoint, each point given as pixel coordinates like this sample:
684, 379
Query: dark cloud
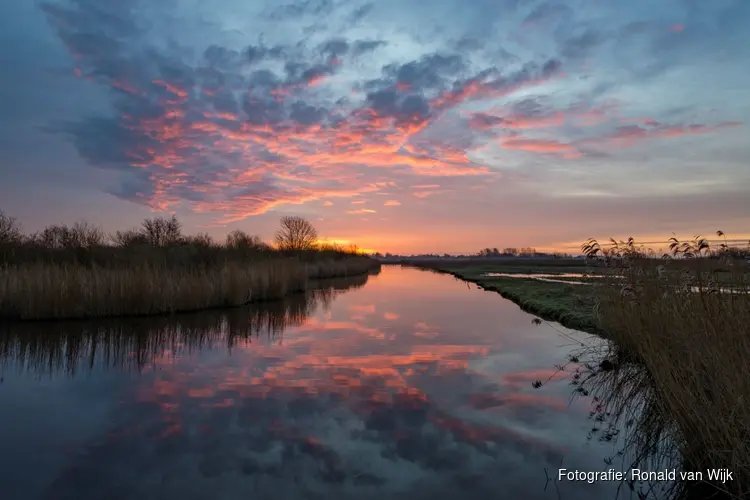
429, 72
404, 109
360, 13
258, 53
469, 44
224, 101
220, 57
262, 111
296, 10
263, 78
335, 47
580, 46
364, 46
548, 11
306, 114
551, 68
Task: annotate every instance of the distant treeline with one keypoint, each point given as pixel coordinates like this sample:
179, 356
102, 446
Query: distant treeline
158, 241
79, 271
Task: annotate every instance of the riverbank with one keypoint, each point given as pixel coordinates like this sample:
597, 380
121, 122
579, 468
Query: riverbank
50, 291
673, 376
79, 272
568, 304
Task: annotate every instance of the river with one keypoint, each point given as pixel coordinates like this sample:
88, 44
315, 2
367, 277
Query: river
411, 385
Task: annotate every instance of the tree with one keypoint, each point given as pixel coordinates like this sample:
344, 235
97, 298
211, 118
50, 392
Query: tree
296, 233
161, 232
79, 235
241, 240
10, 230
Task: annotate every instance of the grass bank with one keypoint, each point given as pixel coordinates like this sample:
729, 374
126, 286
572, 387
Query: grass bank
568, 304
72, 272
673, 377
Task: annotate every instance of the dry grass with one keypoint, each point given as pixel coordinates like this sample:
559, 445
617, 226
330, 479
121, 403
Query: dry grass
680, 346
51, 291
72, 272
136, 343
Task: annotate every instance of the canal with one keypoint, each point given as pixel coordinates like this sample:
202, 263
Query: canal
406, 384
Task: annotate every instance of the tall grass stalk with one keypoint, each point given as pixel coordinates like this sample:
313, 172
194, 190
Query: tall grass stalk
51, 291
680, 346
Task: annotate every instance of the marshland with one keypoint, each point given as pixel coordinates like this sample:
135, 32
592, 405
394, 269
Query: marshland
672, 375
78, 271
306, 368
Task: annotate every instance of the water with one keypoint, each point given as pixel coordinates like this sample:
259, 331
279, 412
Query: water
554, 278
410, 386
545, 275
550, 278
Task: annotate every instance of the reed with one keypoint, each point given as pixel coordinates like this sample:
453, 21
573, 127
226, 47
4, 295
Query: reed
137, 343
66, 272
680, 341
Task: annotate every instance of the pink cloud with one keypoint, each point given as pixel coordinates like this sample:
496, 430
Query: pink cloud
485, 121
540, 146
629, 135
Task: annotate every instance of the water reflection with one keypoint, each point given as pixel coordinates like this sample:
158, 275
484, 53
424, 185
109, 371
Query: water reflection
134, 343
412, 386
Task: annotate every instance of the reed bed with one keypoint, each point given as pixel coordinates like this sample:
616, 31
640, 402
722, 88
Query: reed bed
676, 367
136, 343
72, 272
49, 291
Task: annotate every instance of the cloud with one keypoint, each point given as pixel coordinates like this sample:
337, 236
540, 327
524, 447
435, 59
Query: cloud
546, 12
222, 139
629, 135
540, 146
392, 203
206, 110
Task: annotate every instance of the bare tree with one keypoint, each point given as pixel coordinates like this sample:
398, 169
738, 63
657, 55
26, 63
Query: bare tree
161, 232
85, 235
10, 229
296, 233
200, 240
80, 235
241, 240
129, 237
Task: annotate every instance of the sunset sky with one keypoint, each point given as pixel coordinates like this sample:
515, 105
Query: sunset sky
402, 126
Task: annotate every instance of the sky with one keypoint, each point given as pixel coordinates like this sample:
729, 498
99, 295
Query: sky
401, 126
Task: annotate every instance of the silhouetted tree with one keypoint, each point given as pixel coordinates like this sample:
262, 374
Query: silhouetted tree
200, 240
129, 237
241, 240
296, 233
161, 232
79, 235
10, 229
